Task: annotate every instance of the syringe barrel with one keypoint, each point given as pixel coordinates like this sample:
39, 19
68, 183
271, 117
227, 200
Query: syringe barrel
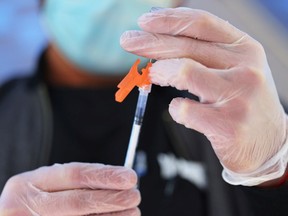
141, 104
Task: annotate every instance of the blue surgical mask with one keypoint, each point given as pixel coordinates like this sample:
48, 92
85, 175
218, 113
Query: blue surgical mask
87, 32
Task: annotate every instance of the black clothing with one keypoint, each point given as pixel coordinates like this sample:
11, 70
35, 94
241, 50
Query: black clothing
42, 125
89, 126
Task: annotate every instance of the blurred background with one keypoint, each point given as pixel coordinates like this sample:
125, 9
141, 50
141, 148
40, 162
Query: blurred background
266, 21
22, 37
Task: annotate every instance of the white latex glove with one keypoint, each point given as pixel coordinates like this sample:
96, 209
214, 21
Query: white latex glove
239, 110
72, 189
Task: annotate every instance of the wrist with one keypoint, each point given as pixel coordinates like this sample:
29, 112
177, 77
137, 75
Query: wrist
276, 182
272, 172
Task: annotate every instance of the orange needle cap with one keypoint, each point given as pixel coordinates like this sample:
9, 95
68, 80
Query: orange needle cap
132, 79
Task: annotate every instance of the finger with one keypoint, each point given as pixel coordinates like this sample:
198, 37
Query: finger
204, 118
190, 23
83, 202
130, 212
186, 74
82, 176
155, 46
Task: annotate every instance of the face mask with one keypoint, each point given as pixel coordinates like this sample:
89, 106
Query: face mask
87, 32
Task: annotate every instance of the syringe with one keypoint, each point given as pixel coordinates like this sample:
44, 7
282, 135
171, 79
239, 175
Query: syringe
142, 80
138, 119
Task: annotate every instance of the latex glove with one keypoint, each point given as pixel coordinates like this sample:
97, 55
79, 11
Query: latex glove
72, 189
239, 110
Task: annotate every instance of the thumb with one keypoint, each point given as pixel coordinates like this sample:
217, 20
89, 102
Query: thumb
204, 118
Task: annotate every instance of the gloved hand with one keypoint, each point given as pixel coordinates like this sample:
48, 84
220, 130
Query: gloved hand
71, 189
239, 110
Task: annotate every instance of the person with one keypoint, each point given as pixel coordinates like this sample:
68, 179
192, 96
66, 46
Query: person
235, 97
45, 105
